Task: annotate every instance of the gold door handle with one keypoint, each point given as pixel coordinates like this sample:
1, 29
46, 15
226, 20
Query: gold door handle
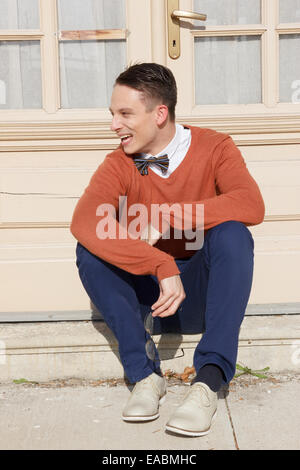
174, 16
188, 14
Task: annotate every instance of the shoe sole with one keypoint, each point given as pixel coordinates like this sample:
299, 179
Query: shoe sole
183, 432
144, 418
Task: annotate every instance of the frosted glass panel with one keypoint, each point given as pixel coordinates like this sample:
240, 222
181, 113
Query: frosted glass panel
229, 11
91, 14
88, 69
19, 14
20, 75
228, 70
289, 48
88, 72
289, 11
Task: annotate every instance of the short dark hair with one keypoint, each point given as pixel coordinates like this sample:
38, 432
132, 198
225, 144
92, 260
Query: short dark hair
155, 81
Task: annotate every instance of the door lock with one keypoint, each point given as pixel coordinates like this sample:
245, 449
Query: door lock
174, 16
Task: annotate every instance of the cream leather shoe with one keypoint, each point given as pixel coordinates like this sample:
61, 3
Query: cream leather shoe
194, 416
145, 399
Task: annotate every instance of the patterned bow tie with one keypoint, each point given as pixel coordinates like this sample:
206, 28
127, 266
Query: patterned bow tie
142, 163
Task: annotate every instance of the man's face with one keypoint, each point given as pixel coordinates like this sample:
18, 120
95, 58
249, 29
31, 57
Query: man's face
133, 122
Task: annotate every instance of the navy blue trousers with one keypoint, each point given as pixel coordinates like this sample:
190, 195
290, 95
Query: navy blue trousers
217, 281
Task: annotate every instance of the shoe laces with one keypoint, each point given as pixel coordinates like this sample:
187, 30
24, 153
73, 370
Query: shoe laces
198, 395
140, 386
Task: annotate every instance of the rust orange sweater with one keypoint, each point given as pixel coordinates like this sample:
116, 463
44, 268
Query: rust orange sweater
212, 173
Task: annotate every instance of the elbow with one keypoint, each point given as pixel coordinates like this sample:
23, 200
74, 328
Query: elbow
261, 210
257, 220
75, 228
258, 214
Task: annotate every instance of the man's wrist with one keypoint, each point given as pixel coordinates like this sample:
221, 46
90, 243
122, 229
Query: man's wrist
167, 269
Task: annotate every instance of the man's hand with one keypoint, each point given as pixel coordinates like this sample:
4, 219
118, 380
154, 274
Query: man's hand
171, 296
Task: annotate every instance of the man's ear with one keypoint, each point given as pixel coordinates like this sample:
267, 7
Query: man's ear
162, 113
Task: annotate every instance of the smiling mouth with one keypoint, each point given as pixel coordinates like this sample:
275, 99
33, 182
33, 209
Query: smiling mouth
125, 139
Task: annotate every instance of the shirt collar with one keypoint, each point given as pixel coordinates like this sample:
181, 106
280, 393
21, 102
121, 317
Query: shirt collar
171, 148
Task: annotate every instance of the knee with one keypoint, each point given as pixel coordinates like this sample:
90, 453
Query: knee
85, 260
91, 266
82, 254
233, 239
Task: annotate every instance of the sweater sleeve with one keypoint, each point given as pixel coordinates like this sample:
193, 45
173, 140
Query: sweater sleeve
132, 255
237, 194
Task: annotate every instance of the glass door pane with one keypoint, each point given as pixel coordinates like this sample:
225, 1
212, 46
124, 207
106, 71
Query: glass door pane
289, 11
229, 11
88, 68
20, 75
289, 68
91, 14
19, 14
228, 70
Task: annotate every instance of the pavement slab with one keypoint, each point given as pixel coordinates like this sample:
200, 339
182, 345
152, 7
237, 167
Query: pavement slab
79, 415
90, 418
266, 414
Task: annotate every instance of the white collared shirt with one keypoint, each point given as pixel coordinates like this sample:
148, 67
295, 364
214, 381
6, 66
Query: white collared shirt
176, 150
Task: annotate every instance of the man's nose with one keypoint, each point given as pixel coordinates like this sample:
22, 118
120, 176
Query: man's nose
115, 123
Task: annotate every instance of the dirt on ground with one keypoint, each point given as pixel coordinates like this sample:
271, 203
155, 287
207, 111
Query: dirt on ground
247, 379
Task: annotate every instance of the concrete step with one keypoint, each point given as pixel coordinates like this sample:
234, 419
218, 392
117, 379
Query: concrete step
44, 351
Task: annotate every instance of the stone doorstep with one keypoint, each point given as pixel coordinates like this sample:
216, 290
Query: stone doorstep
84, 349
